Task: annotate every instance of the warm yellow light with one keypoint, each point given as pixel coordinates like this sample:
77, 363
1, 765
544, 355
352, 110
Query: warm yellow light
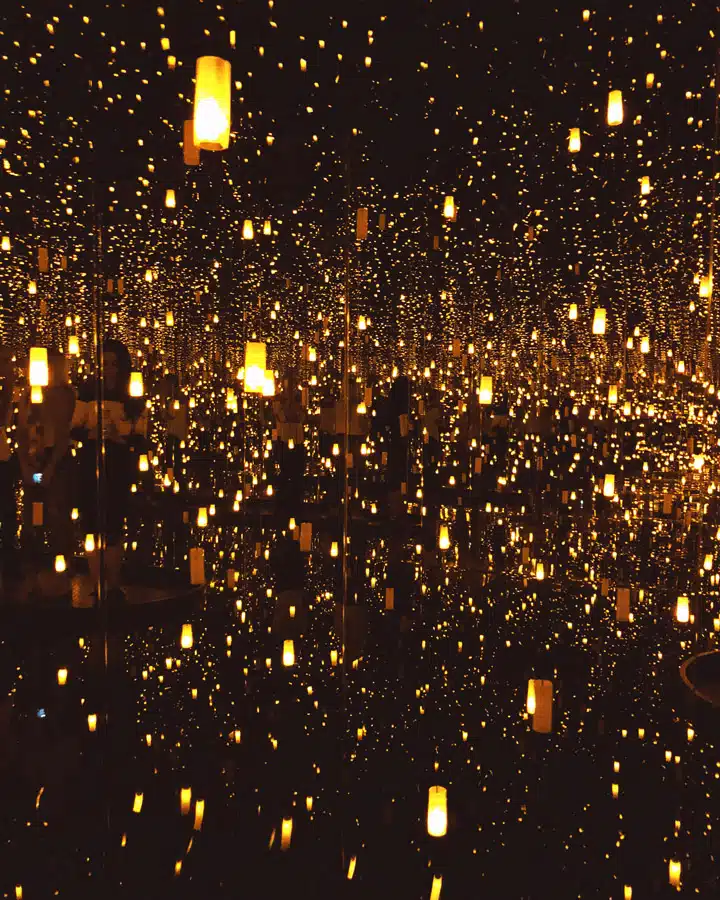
706, 286
255, 362
211, 119
698, 462
289, 653
599, 321
143, 462
89, 543
675, 873
649, 80
36, 394
73, 345
334, 549
6, 243
267, 227
169, 318
60, 564
92, 722
186, 637
62, 676
615, 111
573, 312
645, 185
574, 141
531, 699
645, 345
170, 201
248, 232
609, 486
612, 395
708, 562
39, 375
486, 390
286, 833
437, 812
185, 800
444, 538
202, 517
449, 207
137, 803
268, 387
540, 571
682, 610
137, 388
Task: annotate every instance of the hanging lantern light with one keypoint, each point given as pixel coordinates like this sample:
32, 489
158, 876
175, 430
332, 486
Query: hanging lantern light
486, 390
573, 312
599, 321
706, 286
169, 318
609, 485
288, 653
73, 345
682, 609
211, 119
444, 538
248, 232
202, 517
186, 637
615, 111
267, 227
574, 141
540, 571
170, 202
6, 246
449, 208
675, 873
137, 388
645, 345
39, 375
612, 395
255, 362
645, 186
89, 543
143, 463
437, 812
60, 564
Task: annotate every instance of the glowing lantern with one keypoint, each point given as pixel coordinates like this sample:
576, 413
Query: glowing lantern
89, 543
186, 637
574, 141
486, 390
6, 246
73, 345
202, 517
211, 119
706, 286
599, 321
60, 565
449, 208
698, 462
36, 394
288, 653
170, 202
286, 833
444, 538
39, 373
573, 312
612, 395
609, 486
92, 722
62, 676
137, 389
334, 549
645, 186
708, 562
437, 812
675, 873
649, 80
615, 112
681, 367
143, 463
185, 800
267, 227
169, 318
255, 361
248, 232
32, 288
645, 345
540, 571
682, 610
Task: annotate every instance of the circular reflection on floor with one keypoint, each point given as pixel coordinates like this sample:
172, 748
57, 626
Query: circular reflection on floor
701, 674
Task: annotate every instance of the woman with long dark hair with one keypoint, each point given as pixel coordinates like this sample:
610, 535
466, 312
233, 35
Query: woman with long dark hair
124, 425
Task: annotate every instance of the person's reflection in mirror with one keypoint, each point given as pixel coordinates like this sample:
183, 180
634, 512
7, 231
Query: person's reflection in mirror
124, 424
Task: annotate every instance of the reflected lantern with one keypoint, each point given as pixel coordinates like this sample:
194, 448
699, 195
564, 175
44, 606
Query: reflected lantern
211, 120
615, 111
599, 321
